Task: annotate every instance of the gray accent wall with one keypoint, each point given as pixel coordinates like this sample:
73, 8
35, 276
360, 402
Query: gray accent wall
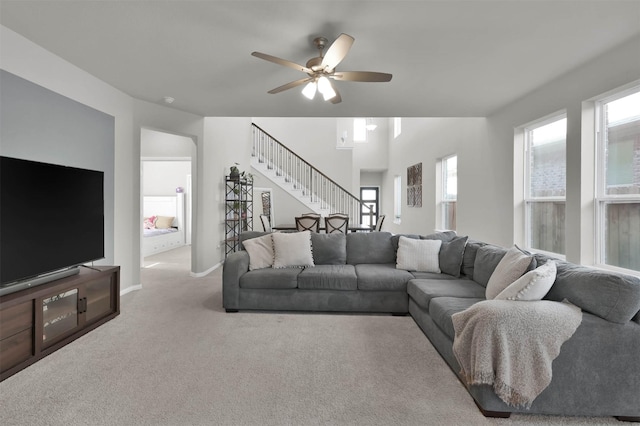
40, 125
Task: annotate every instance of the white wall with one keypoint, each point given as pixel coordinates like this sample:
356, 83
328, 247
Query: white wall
163, 177
573, 93
25, 59
425, 140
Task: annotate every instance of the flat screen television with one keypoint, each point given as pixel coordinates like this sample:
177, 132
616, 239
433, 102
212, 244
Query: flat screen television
51, 219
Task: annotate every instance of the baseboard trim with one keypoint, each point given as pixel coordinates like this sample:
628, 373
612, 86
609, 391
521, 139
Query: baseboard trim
130, 289
207, 272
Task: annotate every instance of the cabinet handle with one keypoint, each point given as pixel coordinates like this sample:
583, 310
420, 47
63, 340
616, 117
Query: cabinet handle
82, 305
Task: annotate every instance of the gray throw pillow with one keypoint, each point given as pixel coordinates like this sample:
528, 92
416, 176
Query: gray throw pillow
329, 249
469, 257
451, 255
444, 236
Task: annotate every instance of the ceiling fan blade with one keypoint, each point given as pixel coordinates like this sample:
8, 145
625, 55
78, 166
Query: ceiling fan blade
290, 85
366, 76
337, 51
281, 61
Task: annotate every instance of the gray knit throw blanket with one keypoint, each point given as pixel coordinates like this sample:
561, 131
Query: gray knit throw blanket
512, 344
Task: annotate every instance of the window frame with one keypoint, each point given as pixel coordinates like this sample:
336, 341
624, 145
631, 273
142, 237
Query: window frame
444, 200
528, 199
602, 199
397, 199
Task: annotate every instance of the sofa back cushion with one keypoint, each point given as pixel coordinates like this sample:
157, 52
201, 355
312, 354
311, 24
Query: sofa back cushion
329, 249
444, 236
451, 256
469, 256
609, 295
247, 235
487, 258
370, 247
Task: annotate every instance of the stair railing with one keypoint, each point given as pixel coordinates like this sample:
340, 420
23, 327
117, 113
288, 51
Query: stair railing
303, 176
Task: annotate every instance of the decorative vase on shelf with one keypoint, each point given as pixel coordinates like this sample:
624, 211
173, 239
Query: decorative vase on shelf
235, 173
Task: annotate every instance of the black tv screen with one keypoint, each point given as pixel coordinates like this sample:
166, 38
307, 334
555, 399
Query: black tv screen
51, 218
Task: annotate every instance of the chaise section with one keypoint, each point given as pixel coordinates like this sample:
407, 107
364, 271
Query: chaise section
423, 290
441, 309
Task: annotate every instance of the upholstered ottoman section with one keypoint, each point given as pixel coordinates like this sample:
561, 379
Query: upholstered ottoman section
441, 309
270, 278
328, 277
382, 277
423, 290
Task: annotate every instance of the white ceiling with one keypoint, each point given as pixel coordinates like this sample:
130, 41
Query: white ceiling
448, 58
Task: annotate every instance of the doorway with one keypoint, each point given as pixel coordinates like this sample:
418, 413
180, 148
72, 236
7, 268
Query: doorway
167, 165
370, 197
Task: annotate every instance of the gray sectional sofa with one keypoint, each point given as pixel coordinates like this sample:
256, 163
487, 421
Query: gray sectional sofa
596, 374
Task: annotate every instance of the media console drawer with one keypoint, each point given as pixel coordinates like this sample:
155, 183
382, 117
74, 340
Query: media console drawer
16, 319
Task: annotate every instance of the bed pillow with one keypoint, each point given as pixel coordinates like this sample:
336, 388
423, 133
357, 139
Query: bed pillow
164, 222
533, 285
260, 251
418, 255
149, 222
292, 250
511, 267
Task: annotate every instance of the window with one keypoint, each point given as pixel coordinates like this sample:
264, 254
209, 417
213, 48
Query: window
369, 196
397, 127
359, 130
449, 192
397, 198
618, 180
545, 184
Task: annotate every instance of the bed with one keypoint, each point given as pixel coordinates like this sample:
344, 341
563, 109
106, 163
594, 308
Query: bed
163, 223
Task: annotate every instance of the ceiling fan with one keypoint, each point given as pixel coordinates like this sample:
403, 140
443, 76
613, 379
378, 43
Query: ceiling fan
322, 69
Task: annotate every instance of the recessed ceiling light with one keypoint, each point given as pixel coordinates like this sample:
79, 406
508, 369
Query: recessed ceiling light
168, 100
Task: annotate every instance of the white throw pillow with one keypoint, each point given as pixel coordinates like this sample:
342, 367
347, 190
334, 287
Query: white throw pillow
418, 255
292, 249
512, 266
533, 285
260, 251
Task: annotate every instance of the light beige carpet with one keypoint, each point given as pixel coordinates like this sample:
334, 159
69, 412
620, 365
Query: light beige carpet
174, 357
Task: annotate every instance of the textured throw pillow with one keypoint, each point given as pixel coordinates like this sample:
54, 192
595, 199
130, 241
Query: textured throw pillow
260, 252
451, 254
164, 222
418, 255
292, 250
511, 267
150, 222
533, 285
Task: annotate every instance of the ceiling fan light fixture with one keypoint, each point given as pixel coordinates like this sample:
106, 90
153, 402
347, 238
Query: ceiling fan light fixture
309, 90
370, 125
324, 87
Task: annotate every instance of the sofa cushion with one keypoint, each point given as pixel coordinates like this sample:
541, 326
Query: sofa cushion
441, 309
382, 277
271, 278
512, 266
451, 256
418, 255
329, 249
292, 250
370, 247
260, 251
440, 235
432, 276
612, 296
533, 285
487, 258
469, 256
247, 235
422, 291
328, 277
395, 239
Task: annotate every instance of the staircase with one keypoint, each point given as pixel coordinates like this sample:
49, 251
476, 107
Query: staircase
300, 179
